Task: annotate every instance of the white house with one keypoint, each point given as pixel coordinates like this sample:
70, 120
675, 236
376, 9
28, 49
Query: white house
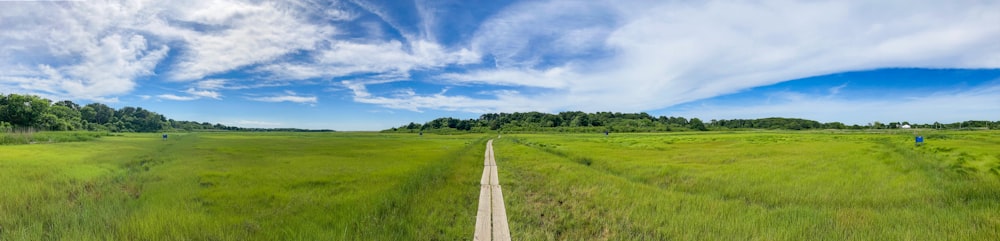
905, 127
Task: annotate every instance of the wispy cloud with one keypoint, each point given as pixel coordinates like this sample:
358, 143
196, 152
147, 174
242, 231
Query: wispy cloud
634, 56
547, 55
95, 49
193, 94
345, 58
289, 96
253, 34
204, 93
410, 100
177, 97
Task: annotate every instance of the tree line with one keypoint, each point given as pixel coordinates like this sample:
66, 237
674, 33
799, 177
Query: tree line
577, 121
36, 113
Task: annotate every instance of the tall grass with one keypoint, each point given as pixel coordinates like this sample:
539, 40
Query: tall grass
375, 186
242, 186
23, 135
751, 186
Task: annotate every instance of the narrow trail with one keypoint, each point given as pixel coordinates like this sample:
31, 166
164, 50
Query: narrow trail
491, 220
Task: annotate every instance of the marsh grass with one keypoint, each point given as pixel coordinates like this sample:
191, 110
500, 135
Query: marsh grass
30, 136
242, 186
751, 186
820, 185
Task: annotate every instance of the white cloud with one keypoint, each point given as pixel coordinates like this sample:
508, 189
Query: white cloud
410, 100
527, 34
288, 97
193, 94
108, 67
638, 55
552, 55
554, 78
177, 98
836, 89
211, 84
344, 58
204, 93
95, 49
251, 34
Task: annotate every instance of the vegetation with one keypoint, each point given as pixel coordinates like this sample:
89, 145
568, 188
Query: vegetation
752, 186
29, 113
27, 137
819, 183
770, 185
247, 186
580, 122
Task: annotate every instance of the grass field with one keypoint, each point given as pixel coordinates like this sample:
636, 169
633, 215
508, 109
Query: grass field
371, 186
244, 186
752, 186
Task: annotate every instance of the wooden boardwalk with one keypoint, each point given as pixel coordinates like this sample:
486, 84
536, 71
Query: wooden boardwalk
491, 220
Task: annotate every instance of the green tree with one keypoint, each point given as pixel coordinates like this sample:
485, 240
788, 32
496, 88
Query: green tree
23, 110
68, 118
696, 124
97, 113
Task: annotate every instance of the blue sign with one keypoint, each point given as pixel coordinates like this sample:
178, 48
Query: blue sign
920, 139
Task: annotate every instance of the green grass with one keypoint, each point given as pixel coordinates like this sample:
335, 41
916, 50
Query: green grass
219, 186
31, 137
751, 186
818, 185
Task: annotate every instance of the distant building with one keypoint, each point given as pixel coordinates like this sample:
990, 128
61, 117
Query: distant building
905, 127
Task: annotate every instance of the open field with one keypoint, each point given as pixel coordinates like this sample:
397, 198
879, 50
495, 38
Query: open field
750, 185
218, 186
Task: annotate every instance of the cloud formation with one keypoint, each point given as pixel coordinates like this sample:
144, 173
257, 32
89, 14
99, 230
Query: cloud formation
548, 55
665, 53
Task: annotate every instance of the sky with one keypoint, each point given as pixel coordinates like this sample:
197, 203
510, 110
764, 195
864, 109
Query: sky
371, 65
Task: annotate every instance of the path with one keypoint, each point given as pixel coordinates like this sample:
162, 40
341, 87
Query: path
491, 220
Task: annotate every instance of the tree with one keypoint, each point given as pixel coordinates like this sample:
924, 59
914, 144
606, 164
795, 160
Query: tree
68, 118
23, 110
464, 125
68, 104
580, 120
696, 124
97, 113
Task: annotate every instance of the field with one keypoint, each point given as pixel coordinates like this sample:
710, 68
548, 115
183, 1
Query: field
819, 185
752, 186
244, 186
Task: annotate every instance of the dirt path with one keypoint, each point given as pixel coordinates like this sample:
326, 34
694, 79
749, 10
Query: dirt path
491, 220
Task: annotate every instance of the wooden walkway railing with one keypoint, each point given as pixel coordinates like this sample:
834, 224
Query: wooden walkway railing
491, 220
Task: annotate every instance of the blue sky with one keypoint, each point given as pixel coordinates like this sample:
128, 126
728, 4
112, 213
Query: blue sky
369, 65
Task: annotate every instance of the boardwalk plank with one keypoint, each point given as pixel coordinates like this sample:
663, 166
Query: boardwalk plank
501, 231
494, 178
491, 219
487, 170
483, 217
